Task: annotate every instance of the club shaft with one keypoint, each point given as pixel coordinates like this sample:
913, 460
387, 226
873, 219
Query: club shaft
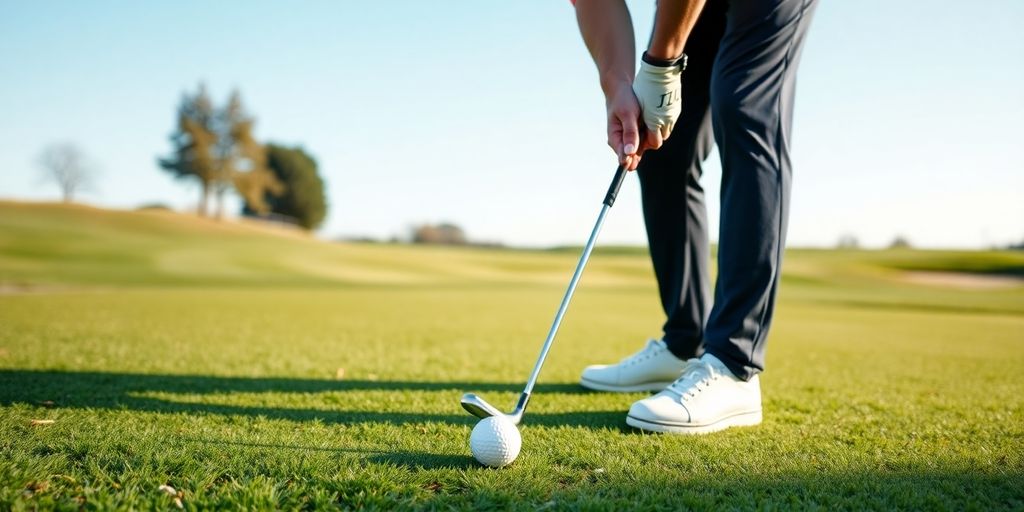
565, 303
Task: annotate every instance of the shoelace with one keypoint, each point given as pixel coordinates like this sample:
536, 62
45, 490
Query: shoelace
695, 378
652, 349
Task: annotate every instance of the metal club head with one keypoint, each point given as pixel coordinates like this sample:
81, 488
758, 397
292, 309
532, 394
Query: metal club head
478, 406
481, 409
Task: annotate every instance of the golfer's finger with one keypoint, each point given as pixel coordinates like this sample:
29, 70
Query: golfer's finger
654, 139
666, 131
631, 162
635, 162
630, 136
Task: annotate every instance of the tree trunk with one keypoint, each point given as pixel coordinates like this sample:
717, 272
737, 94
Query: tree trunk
220, 203
204, 199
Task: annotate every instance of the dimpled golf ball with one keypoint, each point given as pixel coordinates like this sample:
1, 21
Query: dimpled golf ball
495, 441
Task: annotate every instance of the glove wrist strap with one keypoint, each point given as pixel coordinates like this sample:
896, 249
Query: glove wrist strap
665, 63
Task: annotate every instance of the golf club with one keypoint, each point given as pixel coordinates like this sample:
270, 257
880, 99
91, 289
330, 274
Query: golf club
478, 406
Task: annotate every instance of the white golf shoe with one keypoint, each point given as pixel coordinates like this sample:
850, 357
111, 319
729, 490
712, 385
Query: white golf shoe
707, 397
650, 369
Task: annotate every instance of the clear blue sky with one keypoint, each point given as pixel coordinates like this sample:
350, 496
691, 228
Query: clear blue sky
909, 114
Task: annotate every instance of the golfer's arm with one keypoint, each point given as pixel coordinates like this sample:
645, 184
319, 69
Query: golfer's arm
672, 25
607, 31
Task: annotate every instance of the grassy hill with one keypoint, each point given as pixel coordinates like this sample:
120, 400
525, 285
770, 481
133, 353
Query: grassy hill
46, 246
257, 368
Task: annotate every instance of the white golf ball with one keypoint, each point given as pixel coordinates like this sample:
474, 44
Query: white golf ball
495, 441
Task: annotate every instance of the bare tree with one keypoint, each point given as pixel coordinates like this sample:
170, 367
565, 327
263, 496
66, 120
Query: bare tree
68, 167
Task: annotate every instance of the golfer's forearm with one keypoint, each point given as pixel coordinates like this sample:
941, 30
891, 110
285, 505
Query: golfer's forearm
608, 33
672, 25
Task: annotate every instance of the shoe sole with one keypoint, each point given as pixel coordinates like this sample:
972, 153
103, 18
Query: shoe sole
743, 419
647, 386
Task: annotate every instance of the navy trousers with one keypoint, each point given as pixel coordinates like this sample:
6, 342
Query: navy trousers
738, 93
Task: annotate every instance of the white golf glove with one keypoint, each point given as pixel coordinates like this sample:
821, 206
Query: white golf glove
658, 89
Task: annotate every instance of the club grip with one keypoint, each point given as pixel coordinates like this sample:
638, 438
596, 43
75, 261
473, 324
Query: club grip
613, 189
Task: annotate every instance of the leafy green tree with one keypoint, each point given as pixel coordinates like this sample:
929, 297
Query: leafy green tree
303, 198
217, 148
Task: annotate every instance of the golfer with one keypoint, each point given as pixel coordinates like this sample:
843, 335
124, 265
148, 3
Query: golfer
717, 72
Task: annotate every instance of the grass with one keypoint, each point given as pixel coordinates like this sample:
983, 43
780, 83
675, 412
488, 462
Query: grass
206, 356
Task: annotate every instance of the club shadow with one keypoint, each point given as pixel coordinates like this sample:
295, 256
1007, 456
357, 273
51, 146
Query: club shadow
422, 460
276, 446
407, 459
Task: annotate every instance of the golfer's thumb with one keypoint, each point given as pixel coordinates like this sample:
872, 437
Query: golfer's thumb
630, 137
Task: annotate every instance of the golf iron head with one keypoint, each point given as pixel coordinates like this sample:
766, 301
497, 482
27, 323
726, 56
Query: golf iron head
481, 409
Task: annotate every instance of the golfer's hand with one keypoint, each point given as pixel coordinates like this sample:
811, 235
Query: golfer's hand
624, 126
659, 91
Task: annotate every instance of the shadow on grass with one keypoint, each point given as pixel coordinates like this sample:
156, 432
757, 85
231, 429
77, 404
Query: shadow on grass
406, 459
139, 382
422, 460
118, 391
299, 447
662, 485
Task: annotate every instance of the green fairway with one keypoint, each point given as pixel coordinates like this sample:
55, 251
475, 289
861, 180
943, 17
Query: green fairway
256, 368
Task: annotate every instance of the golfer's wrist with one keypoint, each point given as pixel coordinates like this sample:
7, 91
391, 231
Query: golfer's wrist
667, 51
612, 85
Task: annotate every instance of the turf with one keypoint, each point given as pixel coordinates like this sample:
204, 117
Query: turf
253, 368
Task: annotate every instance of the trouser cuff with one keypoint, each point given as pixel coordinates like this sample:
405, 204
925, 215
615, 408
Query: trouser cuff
684, 347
